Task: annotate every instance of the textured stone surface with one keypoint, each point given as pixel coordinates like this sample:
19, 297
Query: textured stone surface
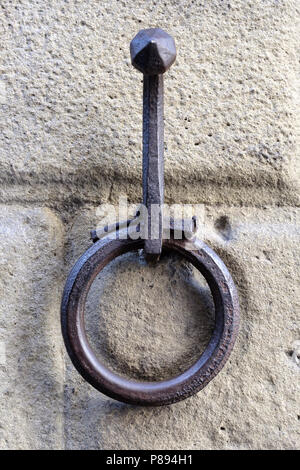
70, 116
72, 101
31, 355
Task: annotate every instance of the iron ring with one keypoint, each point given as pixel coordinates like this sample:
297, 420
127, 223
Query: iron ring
172, 390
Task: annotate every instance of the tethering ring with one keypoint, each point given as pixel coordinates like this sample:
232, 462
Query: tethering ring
211, 361
152, 51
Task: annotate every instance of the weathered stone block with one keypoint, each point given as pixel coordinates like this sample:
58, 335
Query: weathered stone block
149, 322
72, 101
31, 354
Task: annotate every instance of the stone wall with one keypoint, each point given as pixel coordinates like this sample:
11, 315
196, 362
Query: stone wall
71, 140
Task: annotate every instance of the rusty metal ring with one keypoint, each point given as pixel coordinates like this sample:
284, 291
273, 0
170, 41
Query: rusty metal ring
149, 393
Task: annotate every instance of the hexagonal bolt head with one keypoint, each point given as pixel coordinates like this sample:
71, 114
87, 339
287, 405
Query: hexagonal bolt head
152, 51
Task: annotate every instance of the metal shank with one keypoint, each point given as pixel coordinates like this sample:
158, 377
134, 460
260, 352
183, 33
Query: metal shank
153, 51
153, 162
149, 393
